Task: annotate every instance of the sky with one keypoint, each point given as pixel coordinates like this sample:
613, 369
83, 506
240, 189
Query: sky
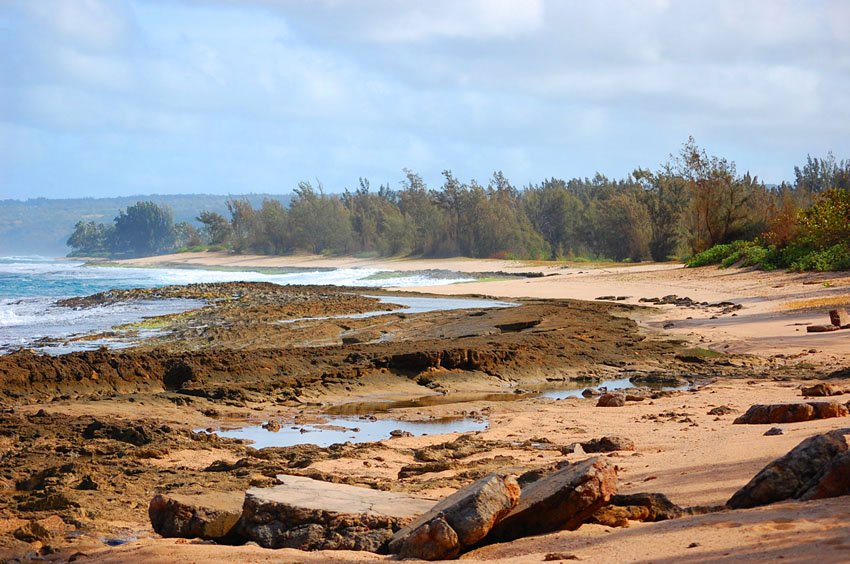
124, 97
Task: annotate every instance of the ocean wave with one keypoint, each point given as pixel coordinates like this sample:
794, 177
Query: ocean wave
30, 286
9, 318
25, 258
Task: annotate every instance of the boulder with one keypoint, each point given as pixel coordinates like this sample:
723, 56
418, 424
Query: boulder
648, 507
791, 412
821, 389
433, 540
470, 513
657, 506
608, 444
612, 399
839, 318
821, 328
211, 516
561, 500
815, 468
833, 481
638, 394
272, 425
309, 514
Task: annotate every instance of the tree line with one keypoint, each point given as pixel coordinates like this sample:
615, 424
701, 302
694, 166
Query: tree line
689, 205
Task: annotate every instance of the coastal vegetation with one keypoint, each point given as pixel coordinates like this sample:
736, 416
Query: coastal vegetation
41, 225
695, 207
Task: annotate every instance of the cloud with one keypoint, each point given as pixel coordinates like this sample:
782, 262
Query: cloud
95, 25
280, 90
399, 21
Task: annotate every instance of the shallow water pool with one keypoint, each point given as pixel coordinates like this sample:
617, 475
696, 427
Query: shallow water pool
349, 429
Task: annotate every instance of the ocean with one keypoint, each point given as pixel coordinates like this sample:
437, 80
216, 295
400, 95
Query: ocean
31, 285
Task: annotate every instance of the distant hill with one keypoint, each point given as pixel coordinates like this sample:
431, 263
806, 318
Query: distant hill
41, 226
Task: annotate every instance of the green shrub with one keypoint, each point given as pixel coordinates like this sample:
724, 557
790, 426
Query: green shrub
757, 255
192, 249
746, 253
836, 257
714, 255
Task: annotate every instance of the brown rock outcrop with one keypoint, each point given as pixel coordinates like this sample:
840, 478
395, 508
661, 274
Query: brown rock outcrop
562, 500
637, 507
760, 414
821, 389
816, 468
209, 516
470, 513
608, 444
42, 529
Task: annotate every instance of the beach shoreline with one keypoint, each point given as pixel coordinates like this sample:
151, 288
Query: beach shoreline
90, 437
777, 306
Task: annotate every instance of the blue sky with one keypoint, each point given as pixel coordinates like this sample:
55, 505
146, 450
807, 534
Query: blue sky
121, 97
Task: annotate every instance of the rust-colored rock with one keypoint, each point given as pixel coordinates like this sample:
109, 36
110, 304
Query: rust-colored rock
815, 468
833, 481
562, 500
611, 399
760, 414
432, 540
470, 512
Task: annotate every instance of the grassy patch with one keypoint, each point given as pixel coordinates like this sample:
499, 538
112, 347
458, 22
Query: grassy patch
797, 257
831, 302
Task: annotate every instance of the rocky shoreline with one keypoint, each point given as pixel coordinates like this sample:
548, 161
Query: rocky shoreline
90, 438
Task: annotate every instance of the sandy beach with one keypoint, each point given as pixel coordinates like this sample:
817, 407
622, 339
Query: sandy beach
776, 305
738, 340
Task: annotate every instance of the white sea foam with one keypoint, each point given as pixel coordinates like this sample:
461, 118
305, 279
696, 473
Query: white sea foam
27, 320
30, 287
336, 277
9, 317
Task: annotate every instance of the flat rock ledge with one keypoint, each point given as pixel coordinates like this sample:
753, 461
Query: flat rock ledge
309, 514
563, 500
760, 414
210, 516
818, 467
459, 521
